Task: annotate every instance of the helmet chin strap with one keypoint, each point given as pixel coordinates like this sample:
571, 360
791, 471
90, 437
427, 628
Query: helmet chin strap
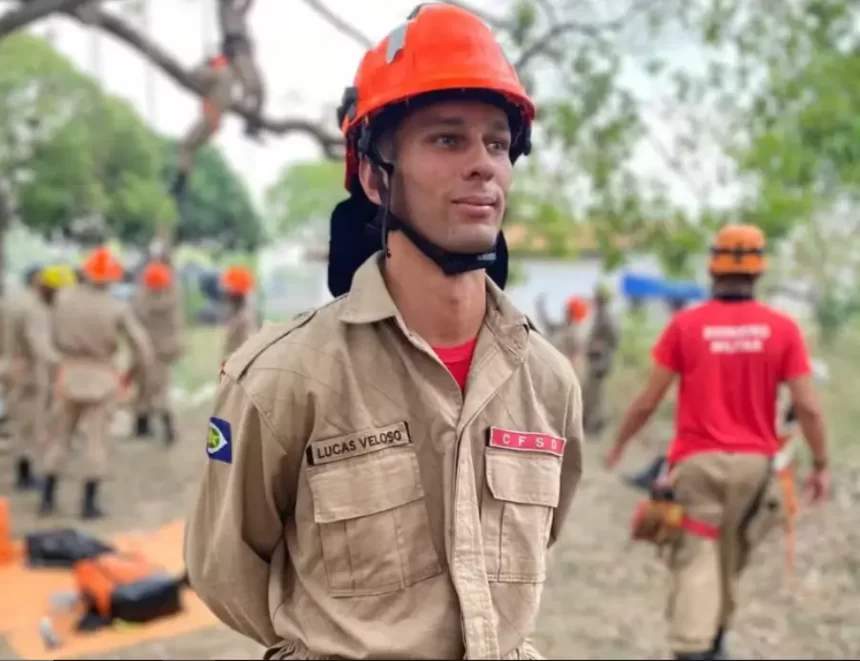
451, 263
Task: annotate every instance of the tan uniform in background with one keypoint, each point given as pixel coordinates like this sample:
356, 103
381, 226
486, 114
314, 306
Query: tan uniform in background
160, 314
88, 326
357, 505
721, 490
241, 324
217, 78
32, 358
239, 49
4, 368
601, 345
566, 336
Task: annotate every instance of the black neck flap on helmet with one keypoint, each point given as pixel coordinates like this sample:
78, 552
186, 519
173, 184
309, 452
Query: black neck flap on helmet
359, 228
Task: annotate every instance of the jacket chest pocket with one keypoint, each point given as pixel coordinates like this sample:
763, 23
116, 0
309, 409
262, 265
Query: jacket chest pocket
373, 524
516, 514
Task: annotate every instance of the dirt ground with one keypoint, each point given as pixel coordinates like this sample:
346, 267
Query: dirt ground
605, 598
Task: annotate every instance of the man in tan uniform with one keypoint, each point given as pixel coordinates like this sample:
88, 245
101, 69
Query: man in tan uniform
87, 324
33, 358
566, 336
387, 472
157, 305
239, 49
237, 283
600, 350
217, 79
727, 469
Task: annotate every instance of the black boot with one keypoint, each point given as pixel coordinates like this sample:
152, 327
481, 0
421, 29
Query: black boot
644, 479
695, 656
49, 488
169, 432
718, 649
142, 429
90, 508
25, 480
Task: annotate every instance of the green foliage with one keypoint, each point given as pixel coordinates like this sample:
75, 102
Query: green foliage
84, 163
303, 195
218, 208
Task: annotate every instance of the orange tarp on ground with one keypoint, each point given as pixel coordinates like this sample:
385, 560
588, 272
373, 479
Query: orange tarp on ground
26, 598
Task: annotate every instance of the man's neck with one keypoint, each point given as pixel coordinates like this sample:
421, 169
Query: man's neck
444, 310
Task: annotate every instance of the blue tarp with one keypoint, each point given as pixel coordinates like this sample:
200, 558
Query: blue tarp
635, 285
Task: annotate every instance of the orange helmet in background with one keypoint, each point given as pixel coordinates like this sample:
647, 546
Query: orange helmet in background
738, 250
237, 280
157, 276
577, 308
440, 48
101, 267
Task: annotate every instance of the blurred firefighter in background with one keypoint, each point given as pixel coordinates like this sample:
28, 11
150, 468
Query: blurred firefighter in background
601, 345
730, 354
157, 304
239, 50
237, 283
33, 359
88, 322
216, 77
566, 336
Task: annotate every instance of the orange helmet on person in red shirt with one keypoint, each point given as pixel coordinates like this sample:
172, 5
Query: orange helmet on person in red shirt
738, 250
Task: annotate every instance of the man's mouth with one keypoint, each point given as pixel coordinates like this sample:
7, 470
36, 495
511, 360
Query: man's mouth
477, 201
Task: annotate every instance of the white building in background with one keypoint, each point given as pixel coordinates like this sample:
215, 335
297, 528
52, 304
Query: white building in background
290, 281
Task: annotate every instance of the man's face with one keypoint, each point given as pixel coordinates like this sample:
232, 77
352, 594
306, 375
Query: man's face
453, 173
47, 294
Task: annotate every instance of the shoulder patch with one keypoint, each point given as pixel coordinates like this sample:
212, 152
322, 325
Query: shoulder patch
219, 442
244, 356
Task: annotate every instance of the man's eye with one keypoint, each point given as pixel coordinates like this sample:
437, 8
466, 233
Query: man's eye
499, 145
446, 140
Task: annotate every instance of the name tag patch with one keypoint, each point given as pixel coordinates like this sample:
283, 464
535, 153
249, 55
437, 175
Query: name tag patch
358, 444
523, 441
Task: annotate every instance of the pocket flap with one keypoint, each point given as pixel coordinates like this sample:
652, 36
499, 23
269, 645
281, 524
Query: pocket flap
519, 477
368, 485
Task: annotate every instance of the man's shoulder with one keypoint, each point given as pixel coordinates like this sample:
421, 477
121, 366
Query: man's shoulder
286, 346
545, 360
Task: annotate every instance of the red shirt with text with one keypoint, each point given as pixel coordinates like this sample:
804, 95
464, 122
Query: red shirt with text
731, 357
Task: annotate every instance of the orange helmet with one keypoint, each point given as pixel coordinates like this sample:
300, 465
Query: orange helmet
101, 267
157, 276
237, 280
577, 308
440, 48
738, 249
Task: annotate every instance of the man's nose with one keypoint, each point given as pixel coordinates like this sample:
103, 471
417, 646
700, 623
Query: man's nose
481, 164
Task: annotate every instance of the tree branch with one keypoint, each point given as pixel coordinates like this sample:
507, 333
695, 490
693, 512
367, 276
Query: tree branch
331, 143
544, 43
339, 24
32, 11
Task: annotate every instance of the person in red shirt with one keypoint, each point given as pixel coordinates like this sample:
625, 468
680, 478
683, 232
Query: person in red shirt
731, 354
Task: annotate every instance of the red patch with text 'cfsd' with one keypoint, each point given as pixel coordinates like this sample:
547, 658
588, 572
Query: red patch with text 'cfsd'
523, 441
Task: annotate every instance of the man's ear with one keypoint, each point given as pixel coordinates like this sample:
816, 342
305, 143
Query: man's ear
371, 180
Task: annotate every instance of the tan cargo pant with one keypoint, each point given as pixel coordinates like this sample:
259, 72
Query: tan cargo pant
27, 404
249, 75
718, 489
198, 135
296, 650
153, 393
592, 401
93, 419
